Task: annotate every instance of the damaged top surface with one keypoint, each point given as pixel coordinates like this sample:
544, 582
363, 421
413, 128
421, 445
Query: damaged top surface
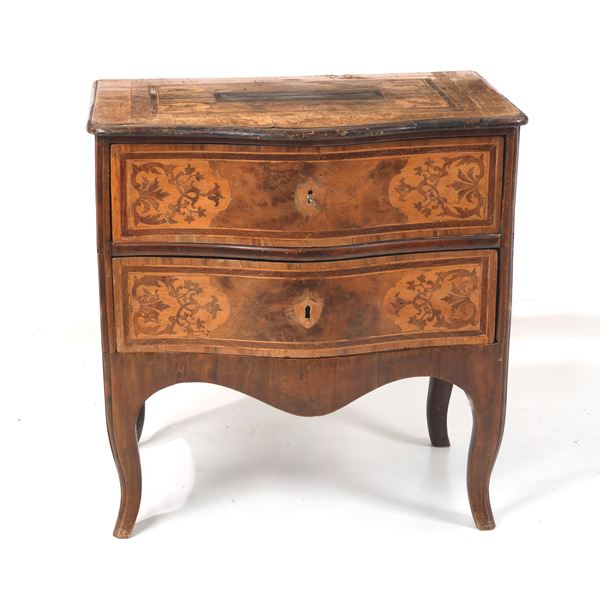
299, 107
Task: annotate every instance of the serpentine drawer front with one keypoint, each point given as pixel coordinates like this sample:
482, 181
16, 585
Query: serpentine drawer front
305, 309
306, 240
303, 196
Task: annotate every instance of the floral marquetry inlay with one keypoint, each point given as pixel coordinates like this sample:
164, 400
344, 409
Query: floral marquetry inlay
304, 309
171, 306
175, 193
436, 299
452, 186
282, 196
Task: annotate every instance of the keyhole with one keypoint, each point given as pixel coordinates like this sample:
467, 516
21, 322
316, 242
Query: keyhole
307, 312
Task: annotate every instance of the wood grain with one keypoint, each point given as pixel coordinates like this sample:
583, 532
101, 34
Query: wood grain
307, 252
299, 108
249, 307
314, 117
309, 387
297, 196
438, 399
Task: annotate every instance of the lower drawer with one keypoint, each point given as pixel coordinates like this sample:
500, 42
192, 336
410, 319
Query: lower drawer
304, 309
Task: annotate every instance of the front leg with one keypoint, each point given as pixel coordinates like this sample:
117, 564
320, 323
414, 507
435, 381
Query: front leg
488, 406
124, 415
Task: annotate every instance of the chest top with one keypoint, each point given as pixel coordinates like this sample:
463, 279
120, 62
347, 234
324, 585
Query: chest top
299, 108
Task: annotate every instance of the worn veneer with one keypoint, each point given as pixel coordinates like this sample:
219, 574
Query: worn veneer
304, 309
299, 108
308, 196
306, 240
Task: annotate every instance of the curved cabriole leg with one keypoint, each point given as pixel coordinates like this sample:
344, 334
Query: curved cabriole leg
124, 415
288, 384
438, 398
139, 425
488, 407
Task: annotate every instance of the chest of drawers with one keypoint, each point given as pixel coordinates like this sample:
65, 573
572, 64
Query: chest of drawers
304, 241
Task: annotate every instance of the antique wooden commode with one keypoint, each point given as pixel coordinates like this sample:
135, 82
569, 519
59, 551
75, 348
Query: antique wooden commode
304, 241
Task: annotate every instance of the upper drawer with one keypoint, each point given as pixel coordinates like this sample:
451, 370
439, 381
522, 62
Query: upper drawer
306, 196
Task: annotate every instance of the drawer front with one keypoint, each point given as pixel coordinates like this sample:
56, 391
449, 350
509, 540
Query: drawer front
305, 196
304, 309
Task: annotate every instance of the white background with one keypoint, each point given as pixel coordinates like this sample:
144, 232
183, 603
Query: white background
245, 507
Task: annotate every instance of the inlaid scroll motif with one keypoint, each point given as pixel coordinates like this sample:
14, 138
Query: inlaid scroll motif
176, 194
170, 306
447, 186
430, 300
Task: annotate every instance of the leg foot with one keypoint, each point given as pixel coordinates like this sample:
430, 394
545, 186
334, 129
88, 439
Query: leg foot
488, 408
122, 533
438, 398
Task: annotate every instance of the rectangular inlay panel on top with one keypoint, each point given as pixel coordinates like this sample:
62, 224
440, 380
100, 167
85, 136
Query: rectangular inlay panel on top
420, 93
401, 101
304, 309
306, 196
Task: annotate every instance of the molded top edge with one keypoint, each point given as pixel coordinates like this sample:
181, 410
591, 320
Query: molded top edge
299, 108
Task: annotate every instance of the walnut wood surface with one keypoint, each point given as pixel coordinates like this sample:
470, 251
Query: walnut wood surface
304, 309
438, 399
308, 253
299, 108
306, 196
317, 385
309, 387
